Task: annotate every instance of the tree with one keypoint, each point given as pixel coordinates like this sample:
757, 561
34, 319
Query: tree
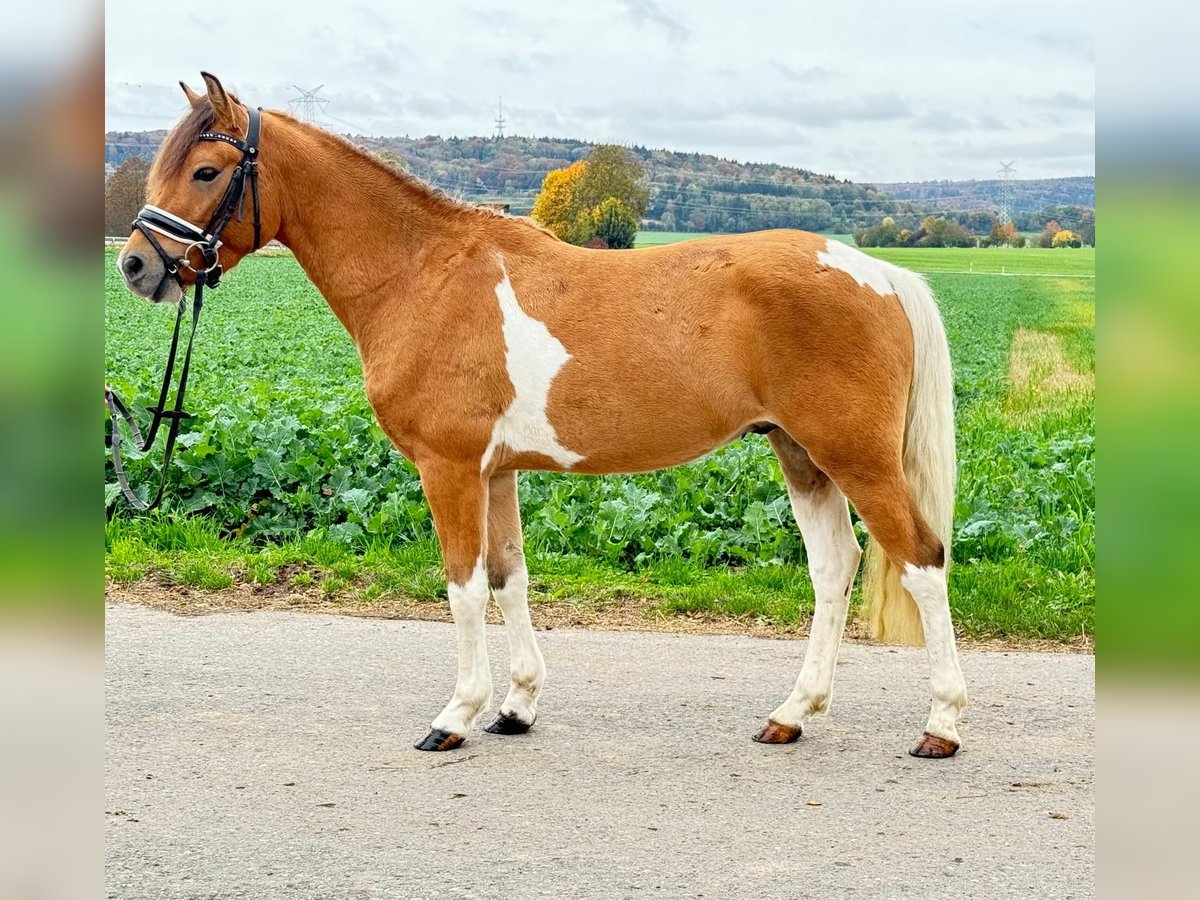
124, 196
391, 159
1005, 235
941, 232
555, 206
1046, 238
1066, 238
885, 234
615, 224
603, 195
1087, 227
613, 171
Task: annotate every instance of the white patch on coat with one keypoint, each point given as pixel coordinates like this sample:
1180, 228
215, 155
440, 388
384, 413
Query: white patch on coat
927, 584
527, 670
534, 358
833, 556
866, 270
473, 687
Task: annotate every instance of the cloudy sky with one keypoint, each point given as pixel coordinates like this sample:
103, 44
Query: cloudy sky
871, 91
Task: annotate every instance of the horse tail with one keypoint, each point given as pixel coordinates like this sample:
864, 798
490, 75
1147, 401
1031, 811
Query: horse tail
928, 457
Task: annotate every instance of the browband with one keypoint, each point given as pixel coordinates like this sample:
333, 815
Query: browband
160, 221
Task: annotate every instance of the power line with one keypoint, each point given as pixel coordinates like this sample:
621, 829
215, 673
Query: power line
309, 105
500, 120
1006, 191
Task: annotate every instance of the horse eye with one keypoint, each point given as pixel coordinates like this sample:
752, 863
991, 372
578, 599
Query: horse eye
208, 173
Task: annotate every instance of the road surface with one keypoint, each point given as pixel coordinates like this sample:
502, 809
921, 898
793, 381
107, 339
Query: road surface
263, 755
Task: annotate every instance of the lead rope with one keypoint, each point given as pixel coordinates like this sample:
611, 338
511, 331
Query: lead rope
117, 410
207, 240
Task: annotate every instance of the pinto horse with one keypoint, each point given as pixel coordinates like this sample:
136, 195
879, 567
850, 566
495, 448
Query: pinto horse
489, 346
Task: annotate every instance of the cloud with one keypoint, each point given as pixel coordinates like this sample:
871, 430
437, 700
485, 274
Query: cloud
768, 87
648, 12
809, 75
1063, 101
942, 121
530, 63
1071, 45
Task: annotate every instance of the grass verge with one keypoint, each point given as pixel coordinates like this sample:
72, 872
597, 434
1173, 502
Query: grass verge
991, 600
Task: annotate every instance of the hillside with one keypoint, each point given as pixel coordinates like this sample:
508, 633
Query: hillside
1029, 195
689, 191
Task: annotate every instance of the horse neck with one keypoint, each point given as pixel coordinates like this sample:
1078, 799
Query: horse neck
358, 230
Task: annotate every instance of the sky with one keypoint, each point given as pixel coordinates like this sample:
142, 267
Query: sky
869, 91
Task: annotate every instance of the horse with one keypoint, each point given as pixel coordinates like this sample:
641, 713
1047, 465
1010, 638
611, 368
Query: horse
489, 346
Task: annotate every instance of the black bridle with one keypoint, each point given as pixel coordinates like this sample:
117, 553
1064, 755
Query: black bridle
152, 220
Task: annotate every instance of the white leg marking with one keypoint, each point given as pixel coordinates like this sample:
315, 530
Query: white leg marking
866, 270
527, 670
833, 556
473, 689
927, 584
534, 357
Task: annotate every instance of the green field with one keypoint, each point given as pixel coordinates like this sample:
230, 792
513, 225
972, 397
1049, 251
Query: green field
1079, 263
654, 238
284, 477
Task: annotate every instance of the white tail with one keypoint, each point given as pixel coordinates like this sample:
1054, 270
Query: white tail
929, 461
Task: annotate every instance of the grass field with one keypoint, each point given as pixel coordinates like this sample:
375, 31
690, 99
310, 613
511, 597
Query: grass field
285, 479
1079, 263
654, 238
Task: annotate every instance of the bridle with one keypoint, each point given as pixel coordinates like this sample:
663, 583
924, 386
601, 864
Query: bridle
151, 221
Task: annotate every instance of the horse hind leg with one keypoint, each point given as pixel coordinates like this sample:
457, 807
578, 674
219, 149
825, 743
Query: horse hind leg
509, 581
880, 492
823, 516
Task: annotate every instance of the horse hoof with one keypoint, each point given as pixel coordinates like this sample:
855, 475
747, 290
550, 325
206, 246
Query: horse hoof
439, 740
774, 733
506, 724
933, 747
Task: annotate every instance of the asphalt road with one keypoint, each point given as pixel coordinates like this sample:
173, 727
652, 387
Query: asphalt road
263, 755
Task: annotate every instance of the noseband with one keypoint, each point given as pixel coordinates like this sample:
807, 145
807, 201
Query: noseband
154, 220
151, 221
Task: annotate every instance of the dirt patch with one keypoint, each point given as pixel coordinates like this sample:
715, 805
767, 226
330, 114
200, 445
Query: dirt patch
619, 614
1040, 378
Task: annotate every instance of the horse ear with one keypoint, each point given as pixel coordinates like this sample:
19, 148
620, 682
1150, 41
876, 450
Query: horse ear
191, 95
220, 101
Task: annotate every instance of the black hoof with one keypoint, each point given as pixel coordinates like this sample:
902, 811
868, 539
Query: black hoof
506, 724
439, 740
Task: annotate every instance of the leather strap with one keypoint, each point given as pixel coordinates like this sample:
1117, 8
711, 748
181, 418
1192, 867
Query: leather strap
152, 219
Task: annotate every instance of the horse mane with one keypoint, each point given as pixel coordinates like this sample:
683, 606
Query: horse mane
201, 117
182, 138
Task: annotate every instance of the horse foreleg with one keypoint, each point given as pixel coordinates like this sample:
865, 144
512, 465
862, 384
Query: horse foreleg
457, 498
509, 580
823, 515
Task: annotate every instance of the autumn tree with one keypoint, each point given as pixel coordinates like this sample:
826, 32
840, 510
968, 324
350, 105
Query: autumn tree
124, 196
1006, 235
1046, 238
613, 171
941, 232
1065, 238
555, 207
574, 202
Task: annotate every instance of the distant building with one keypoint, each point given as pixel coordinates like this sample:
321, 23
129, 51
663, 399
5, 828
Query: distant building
498, 207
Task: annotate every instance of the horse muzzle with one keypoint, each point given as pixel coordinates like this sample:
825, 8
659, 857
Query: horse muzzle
146, 275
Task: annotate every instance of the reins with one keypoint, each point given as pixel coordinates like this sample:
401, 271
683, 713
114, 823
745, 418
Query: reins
152, 220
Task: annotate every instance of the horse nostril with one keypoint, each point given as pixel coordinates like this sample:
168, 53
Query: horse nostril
133, 265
